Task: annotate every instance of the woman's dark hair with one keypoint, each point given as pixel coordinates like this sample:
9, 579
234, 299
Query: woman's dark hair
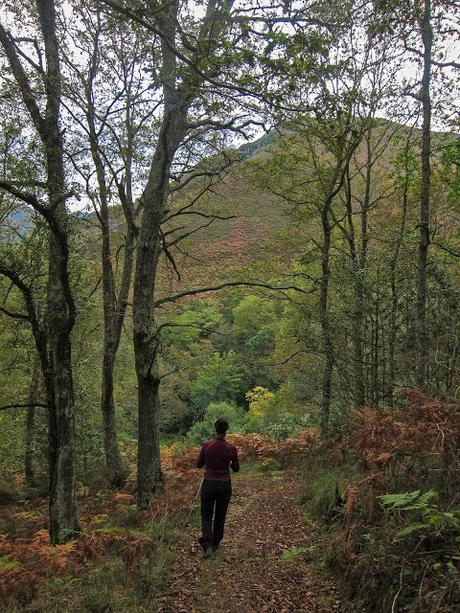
221, 425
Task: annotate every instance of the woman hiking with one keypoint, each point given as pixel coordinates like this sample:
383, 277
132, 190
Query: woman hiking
217, 456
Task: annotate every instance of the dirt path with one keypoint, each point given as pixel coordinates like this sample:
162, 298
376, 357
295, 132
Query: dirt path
248, 573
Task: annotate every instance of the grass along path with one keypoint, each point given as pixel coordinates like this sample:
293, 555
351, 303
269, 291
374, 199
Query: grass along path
264, 563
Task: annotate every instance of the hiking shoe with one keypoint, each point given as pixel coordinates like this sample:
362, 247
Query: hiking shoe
208, 552
204, 543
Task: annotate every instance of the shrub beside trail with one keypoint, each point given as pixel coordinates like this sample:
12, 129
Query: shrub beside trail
388, 494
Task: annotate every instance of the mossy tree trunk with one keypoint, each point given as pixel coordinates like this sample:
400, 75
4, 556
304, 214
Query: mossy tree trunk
424, 222
52, 333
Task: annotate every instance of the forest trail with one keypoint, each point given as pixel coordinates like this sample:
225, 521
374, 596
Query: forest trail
250, 573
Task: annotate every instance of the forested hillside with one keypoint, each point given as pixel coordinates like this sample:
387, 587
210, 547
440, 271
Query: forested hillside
246, 211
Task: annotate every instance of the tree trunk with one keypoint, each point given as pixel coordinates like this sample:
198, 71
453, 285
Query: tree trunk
358, 266
53, 338
29, 469
375, 345
61, 309
421, 324
113, 313
114, 464
343, 152
358, 307
392, 368
392, 335
116, 472
146, 342
362, 264
63, 509
358, 340
60, 320
325, 324
149, 474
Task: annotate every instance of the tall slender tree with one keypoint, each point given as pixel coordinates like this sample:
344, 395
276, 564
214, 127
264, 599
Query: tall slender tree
52, 332
423, 14
111, 120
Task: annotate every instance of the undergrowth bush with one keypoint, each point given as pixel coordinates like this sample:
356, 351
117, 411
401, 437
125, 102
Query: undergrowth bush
204, 430
325, 489
389, 489
267, 416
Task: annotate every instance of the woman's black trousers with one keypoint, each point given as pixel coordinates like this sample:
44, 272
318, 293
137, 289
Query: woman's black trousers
215, 496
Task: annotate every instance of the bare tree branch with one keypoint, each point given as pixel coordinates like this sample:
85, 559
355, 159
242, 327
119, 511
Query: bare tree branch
14, 314
296, 353
434, 62
26, 405
181, 237
446, 249
214, 288
22, 79
26, 197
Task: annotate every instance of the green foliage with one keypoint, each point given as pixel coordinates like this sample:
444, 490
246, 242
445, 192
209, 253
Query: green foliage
451, 167
294, 552
97, 600
268, 416
6, 563
276, 424
204, 430
324, 488
196, 322
176, 415
163, 530
220, 379
406, 168
100, 589
12, 447
106, 586
282, 425
434, 520
407, 501
254, 325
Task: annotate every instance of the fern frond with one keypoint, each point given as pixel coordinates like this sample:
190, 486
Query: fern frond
408, 501
399, 500
412, 528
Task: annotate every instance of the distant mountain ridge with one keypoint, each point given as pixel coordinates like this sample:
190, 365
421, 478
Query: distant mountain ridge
224, 249
247, 150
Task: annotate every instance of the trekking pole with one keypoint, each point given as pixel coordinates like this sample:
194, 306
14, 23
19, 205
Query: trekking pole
194, 501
